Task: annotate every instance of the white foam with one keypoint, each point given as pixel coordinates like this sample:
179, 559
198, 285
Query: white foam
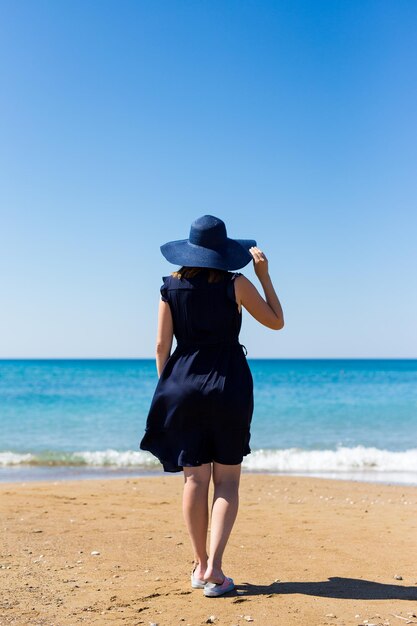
12, 458
93, 458
115, 458
358, 459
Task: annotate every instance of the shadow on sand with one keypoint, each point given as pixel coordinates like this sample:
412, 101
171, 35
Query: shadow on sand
336, 587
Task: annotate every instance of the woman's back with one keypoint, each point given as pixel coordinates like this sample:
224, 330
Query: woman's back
203, 312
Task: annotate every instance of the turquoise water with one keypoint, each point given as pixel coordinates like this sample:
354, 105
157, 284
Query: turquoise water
349, 418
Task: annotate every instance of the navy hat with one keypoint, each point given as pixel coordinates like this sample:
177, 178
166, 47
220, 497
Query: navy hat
209, 246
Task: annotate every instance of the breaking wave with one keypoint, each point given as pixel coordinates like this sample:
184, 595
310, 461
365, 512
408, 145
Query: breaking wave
343, 459
357, 459
94, 458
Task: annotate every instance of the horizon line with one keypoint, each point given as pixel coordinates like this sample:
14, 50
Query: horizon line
259, 358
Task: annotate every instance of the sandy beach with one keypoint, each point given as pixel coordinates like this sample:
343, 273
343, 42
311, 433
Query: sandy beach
303, 552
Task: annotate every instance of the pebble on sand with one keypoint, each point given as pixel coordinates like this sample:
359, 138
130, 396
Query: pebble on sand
211, 619
398, 577
95, 553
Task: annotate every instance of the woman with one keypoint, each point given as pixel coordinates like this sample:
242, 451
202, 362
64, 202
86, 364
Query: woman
199, 420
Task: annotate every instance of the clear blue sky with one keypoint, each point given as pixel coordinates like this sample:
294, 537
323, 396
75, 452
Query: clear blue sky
121, 122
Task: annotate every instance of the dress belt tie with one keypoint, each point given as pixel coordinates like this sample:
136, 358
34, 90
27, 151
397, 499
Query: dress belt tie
203, 344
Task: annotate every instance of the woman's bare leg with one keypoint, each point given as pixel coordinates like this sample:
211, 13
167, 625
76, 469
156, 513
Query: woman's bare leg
225, 506
195, 509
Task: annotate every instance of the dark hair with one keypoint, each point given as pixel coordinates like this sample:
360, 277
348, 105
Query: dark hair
214, 276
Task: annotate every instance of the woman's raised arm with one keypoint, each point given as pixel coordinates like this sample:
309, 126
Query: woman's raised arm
267, 311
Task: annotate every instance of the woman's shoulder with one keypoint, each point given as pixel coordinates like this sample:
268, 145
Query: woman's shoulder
241, 283
166, 283
172, 283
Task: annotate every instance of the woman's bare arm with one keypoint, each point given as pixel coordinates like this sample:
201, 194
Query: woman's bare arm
164, 335
267, 311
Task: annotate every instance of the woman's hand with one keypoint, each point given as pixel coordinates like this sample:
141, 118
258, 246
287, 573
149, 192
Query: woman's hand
260, 263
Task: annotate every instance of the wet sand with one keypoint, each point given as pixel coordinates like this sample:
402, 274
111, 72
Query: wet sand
303, 552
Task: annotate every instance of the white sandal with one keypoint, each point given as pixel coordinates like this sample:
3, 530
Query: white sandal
196, 583
212, 590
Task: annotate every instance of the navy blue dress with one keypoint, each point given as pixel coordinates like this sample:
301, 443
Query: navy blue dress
203, 404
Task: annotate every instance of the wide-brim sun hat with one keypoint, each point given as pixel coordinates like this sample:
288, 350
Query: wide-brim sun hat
209, 246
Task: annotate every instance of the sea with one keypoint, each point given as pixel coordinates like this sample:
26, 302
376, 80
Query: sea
331, 418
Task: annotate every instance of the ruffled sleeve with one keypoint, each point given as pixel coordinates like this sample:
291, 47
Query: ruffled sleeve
164, 289
231, 286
